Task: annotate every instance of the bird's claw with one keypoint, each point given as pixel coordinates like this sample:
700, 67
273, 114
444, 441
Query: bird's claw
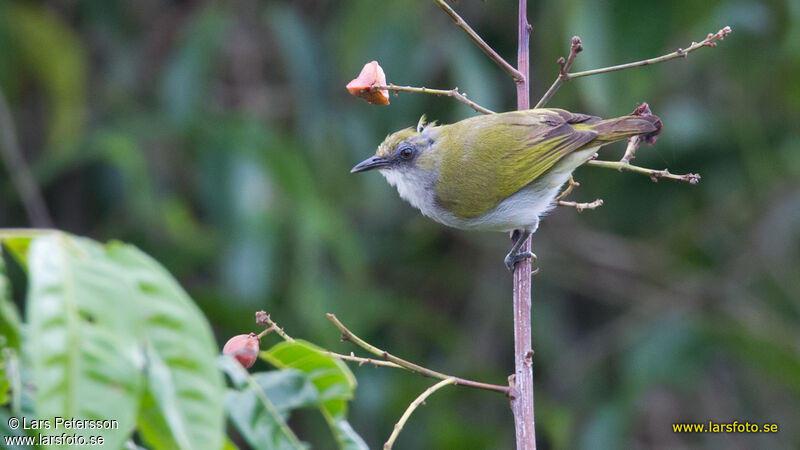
512, 260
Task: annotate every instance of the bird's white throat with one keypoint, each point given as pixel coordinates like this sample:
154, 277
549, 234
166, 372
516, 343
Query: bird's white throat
520, 210
414, 186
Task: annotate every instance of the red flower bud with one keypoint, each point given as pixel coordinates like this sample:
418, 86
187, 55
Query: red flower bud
244, 348
371, 75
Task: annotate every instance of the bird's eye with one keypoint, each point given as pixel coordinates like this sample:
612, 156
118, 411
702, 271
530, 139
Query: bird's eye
406, 152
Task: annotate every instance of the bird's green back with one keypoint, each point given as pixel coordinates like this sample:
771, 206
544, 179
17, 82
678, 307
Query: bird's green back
489, 158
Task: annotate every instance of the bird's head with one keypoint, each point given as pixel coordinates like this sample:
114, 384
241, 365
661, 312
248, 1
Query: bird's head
405, 150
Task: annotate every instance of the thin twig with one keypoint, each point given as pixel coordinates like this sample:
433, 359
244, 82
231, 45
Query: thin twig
709, 41
262, 318
361, 361
582, 206
348, 335
630, 151
568, 190
579, 206
21, 177
460, 96
691, 178
413, 406
493, 55
576, 46
266, 332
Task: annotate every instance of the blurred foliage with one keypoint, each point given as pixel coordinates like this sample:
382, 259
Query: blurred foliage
110, 335
217, 136
259, 404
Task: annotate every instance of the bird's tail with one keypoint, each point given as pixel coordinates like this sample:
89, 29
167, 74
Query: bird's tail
640, 122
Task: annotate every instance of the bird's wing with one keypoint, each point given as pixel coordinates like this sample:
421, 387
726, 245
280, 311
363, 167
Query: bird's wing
486, 162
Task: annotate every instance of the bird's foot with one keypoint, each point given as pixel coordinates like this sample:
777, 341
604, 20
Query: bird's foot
512, 259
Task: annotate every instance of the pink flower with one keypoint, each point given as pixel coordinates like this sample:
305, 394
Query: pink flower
371, 75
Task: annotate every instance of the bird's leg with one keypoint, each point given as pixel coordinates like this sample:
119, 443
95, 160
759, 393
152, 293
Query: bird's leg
514, 256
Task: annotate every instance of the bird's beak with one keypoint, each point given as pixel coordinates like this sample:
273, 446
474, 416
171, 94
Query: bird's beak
374, 162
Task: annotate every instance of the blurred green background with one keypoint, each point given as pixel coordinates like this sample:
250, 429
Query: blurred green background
217, 136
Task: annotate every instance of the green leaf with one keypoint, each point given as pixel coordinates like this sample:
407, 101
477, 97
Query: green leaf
165, 396
112, 335
229, 445
17, 242
84, 361
330, 375
345, 435
9, 343
5, 385
333, 380
152, 425
287, 389
260, 421
180, 353
9, 316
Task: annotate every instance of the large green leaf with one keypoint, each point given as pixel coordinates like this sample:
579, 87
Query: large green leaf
180, 353
84, 361
10, 327
259, 403
113, 336
332, 378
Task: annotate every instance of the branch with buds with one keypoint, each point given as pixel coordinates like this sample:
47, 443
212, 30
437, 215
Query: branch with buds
455, 93
563, 73
576, 47
245, 348
348, 335
655, 175
578, 206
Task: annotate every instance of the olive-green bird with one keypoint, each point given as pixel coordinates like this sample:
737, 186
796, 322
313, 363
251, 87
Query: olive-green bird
498, 172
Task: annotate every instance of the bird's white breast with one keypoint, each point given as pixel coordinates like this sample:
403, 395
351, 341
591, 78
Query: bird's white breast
520, 210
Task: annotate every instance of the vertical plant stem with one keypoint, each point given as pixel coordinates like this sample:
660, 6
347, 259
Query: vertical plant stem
21, 177
522, 392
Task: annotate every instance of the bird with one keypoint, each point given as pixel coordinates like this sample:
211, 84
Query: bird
498, 172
